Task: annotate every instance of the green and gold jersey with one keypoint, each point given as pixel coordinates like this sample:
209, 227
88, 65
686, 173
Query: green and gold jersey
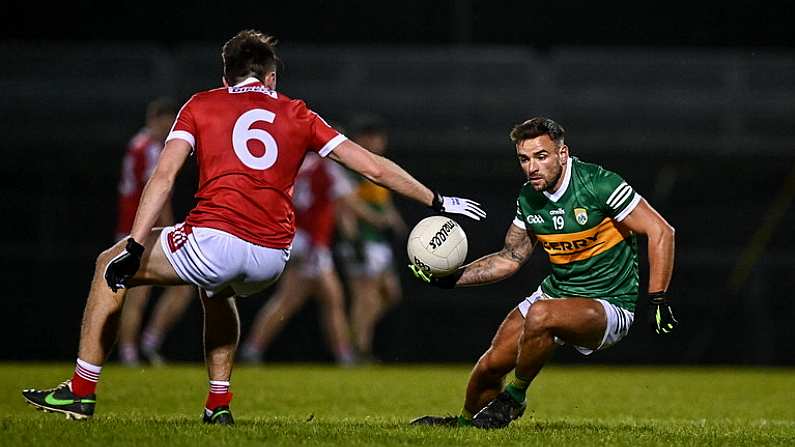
591, 256
376, 197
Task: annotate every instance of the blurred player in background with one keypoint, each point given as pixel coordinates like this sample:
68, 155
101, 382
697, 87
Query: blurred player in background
586, 218
319, 188
139, 162
367, 248
250, 141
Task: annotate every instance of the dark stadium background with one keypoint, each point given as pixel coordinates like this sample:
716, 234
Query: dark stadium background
693, 104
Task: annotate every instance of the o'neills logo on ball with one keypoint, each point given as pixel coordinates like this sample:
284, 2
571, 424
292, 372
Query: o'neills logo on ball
438, 239
418, 262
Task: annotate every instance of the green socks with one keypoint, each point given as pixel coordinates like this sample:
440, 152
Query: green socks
517, 389
465, 418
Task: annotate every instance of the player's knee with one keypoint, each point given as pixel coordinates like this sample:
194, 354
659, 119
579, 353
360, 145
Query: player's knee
539, 317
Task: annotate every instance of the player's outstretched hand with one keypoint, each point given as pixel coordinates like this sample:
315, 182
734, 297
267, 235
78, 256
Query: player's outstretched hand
457, 205
661, 316
443, 282
124, 265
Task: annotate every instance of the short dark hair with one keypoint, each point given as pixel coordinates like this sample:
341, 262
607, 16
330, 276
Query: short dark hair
249, 52
161, 107
537, 126
367, 124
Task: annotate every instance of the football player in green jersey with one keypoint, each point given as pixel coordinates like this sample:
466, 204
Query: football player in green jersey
586, 219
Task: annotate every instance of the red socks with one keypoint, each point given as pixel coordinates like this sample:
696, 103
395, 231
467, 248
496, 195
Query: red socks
219, 395
85, 378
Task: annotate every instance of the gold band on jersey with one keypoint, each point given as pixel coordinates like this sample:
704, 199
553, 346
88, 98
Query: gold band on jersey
372, 193
572, 247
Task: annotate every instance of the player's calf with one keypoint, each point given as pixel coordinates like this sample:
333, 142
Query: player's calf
486, 379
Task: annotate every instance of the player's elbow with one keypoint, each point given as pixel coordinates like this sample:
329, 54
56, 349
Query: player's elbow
375, 171
664, 231
668, 230
515, 269
509, 268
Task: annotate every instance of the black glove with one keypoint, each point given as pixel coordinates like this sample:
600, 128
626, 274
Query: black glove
124, 265
660, 315
443, 282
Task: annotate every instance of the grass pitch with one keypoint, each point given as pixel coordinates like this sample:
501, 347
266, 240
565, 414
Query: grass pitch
317, 405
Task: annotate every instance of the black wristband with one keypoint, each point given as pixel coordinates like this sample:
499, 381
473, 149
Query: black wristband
134, 248
437, 202
660, 297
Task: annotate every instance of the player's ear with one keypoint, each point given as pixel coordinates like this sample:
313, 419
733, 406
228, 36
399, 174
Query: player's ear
564, 151
270, 80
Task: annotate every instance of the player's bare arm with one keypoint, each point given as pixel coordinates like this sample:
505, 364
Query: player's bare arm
158, 189
646, 220
385, 172
381, 171
346, 222
502, 264
394, 219
167, 215
355, 206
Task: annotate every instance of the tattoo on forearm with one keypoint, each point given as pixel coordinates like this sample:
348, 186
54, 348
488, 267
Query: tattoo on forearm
500, 265
482, 271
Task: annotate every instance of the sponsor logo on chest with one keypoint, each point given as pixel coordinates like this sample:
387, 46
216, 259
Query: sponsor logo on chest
571, 244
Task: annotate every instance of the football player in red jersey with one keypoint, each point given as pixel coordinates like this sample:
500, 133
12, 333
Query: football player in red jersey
139, 162
249, 141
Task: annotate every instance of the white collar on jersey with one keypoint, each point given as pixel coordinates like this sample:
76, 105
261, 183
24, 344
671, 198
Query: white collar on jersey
249, 80
566, 180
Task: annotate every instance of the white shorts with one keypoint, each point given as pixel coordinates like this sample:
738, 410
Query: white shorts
311, 260
377, 258
619, 321
214, 260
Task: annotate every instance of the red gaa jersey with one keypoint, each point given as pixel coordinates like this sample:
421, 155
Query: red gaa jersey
318, 185
139, 163
249, 143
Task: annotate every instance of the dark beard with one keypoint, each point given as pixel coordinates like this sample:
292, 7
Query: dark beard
554, 181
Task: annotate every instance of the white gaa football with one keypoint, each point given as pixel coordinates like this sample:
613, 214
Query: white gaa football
438, 245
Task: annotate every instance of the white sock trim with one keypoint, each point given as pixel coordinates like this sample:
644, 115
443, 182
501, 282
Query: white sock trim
88, 371
219, 386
